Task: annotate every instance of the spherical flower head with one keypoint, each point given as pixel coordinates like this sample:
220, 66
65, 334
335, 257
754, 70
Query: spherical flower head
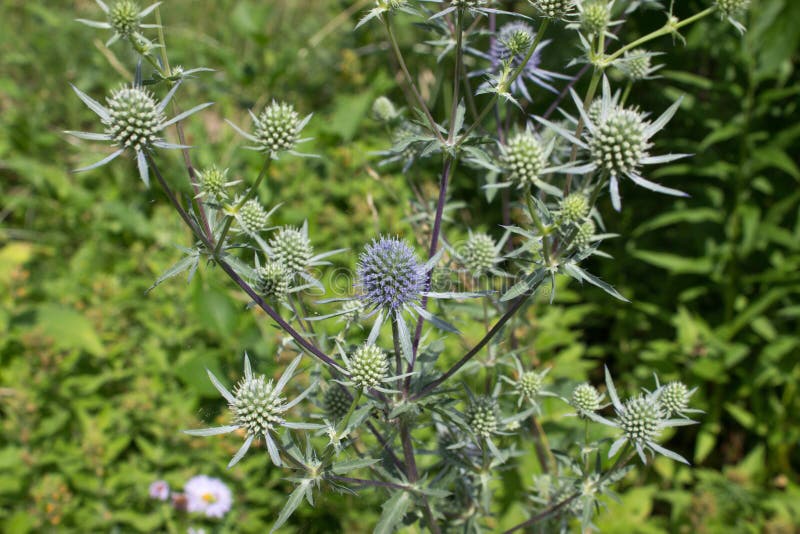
575, 207
731, 8
213, 182
383, 110
159, 490
595, 16
351, 309
530, 384
207, 495
368, 366
272, 280
389, 274
277, 128
133, 118
336, 402
479, 254
524, 158
252, 216
483, 416
553, 9
636, 64
124, 17
291, 247
675, 398
640, 419
256, 408
584, 234
586, 398
620, 143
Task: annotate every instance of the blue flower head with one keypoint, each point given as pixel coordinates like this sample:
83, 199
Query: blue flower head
390, 275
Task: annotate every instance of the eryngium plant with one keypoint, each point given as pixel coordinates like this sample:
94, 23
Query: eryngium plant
403, 414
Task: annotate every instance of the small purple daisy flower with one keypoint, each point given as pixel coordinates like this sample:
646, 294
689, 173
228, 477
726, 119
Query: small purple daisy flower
159, 490
207, 495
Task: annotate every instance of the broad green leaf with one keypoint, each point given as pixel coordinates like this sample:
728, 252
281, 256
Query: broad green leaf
69, 329
394, 510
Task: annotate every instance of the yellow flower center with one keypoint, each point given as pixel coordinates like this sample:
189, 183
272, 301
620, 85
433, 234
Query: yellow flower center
209, 498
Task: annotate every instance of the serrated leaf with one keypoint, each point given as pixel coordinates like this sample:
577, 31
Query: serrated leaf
351, 465
291, 505
394, 510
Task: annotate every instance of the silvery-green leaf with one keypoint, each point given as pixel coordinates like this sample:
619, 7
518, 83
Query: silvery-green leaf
242, 451
294, 500
215, 431
394, 510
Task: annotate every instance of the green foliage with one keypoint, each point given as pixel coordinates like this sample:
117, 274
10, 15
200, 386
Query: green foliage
97, 379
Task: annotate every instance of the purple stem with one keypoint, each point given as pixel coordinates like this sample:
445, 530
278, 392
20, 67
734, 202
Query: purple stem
437, 228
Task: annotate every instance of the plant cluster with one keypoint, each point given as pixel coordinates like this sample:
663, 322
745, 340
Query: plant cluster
394, 418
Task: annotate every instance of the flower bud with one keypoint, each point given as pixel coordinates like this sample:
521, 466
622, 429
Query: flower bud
292, 248
586, 398
675, 398
482, 416
368, 366
575, 207
530, 384
277, 127
383, 110
595, 16
619, 144
336, 402
124, 17
273, 280
133, 118
479, 254
636, 64
523, 157
213, 182
253, 216
640, 419
255, 407
584, 234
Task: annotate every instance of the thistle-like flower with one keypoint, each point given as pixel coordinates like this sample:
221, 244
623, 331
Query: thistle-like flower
483, 416
618, 143
292, 248
575, 207
525, 160
273, 280
336, 402
509, 49
124, 17
368, 367
258, 409
554, 9
133, 120
528, 385
214, 183
391, 280
390, 275
637, 64
594, 16
276, 130
586, 399
675, 398
481, 254
252, 217
641, 420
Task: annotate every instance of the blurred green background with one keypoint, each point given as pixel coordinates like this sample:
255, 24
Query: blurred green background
97, 378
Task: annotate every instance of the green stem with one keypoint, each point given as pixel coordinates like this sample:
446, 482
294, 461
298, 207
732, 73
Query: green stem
514, 75
587, 101
250, 194
457, 76
409, 80
671, 26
